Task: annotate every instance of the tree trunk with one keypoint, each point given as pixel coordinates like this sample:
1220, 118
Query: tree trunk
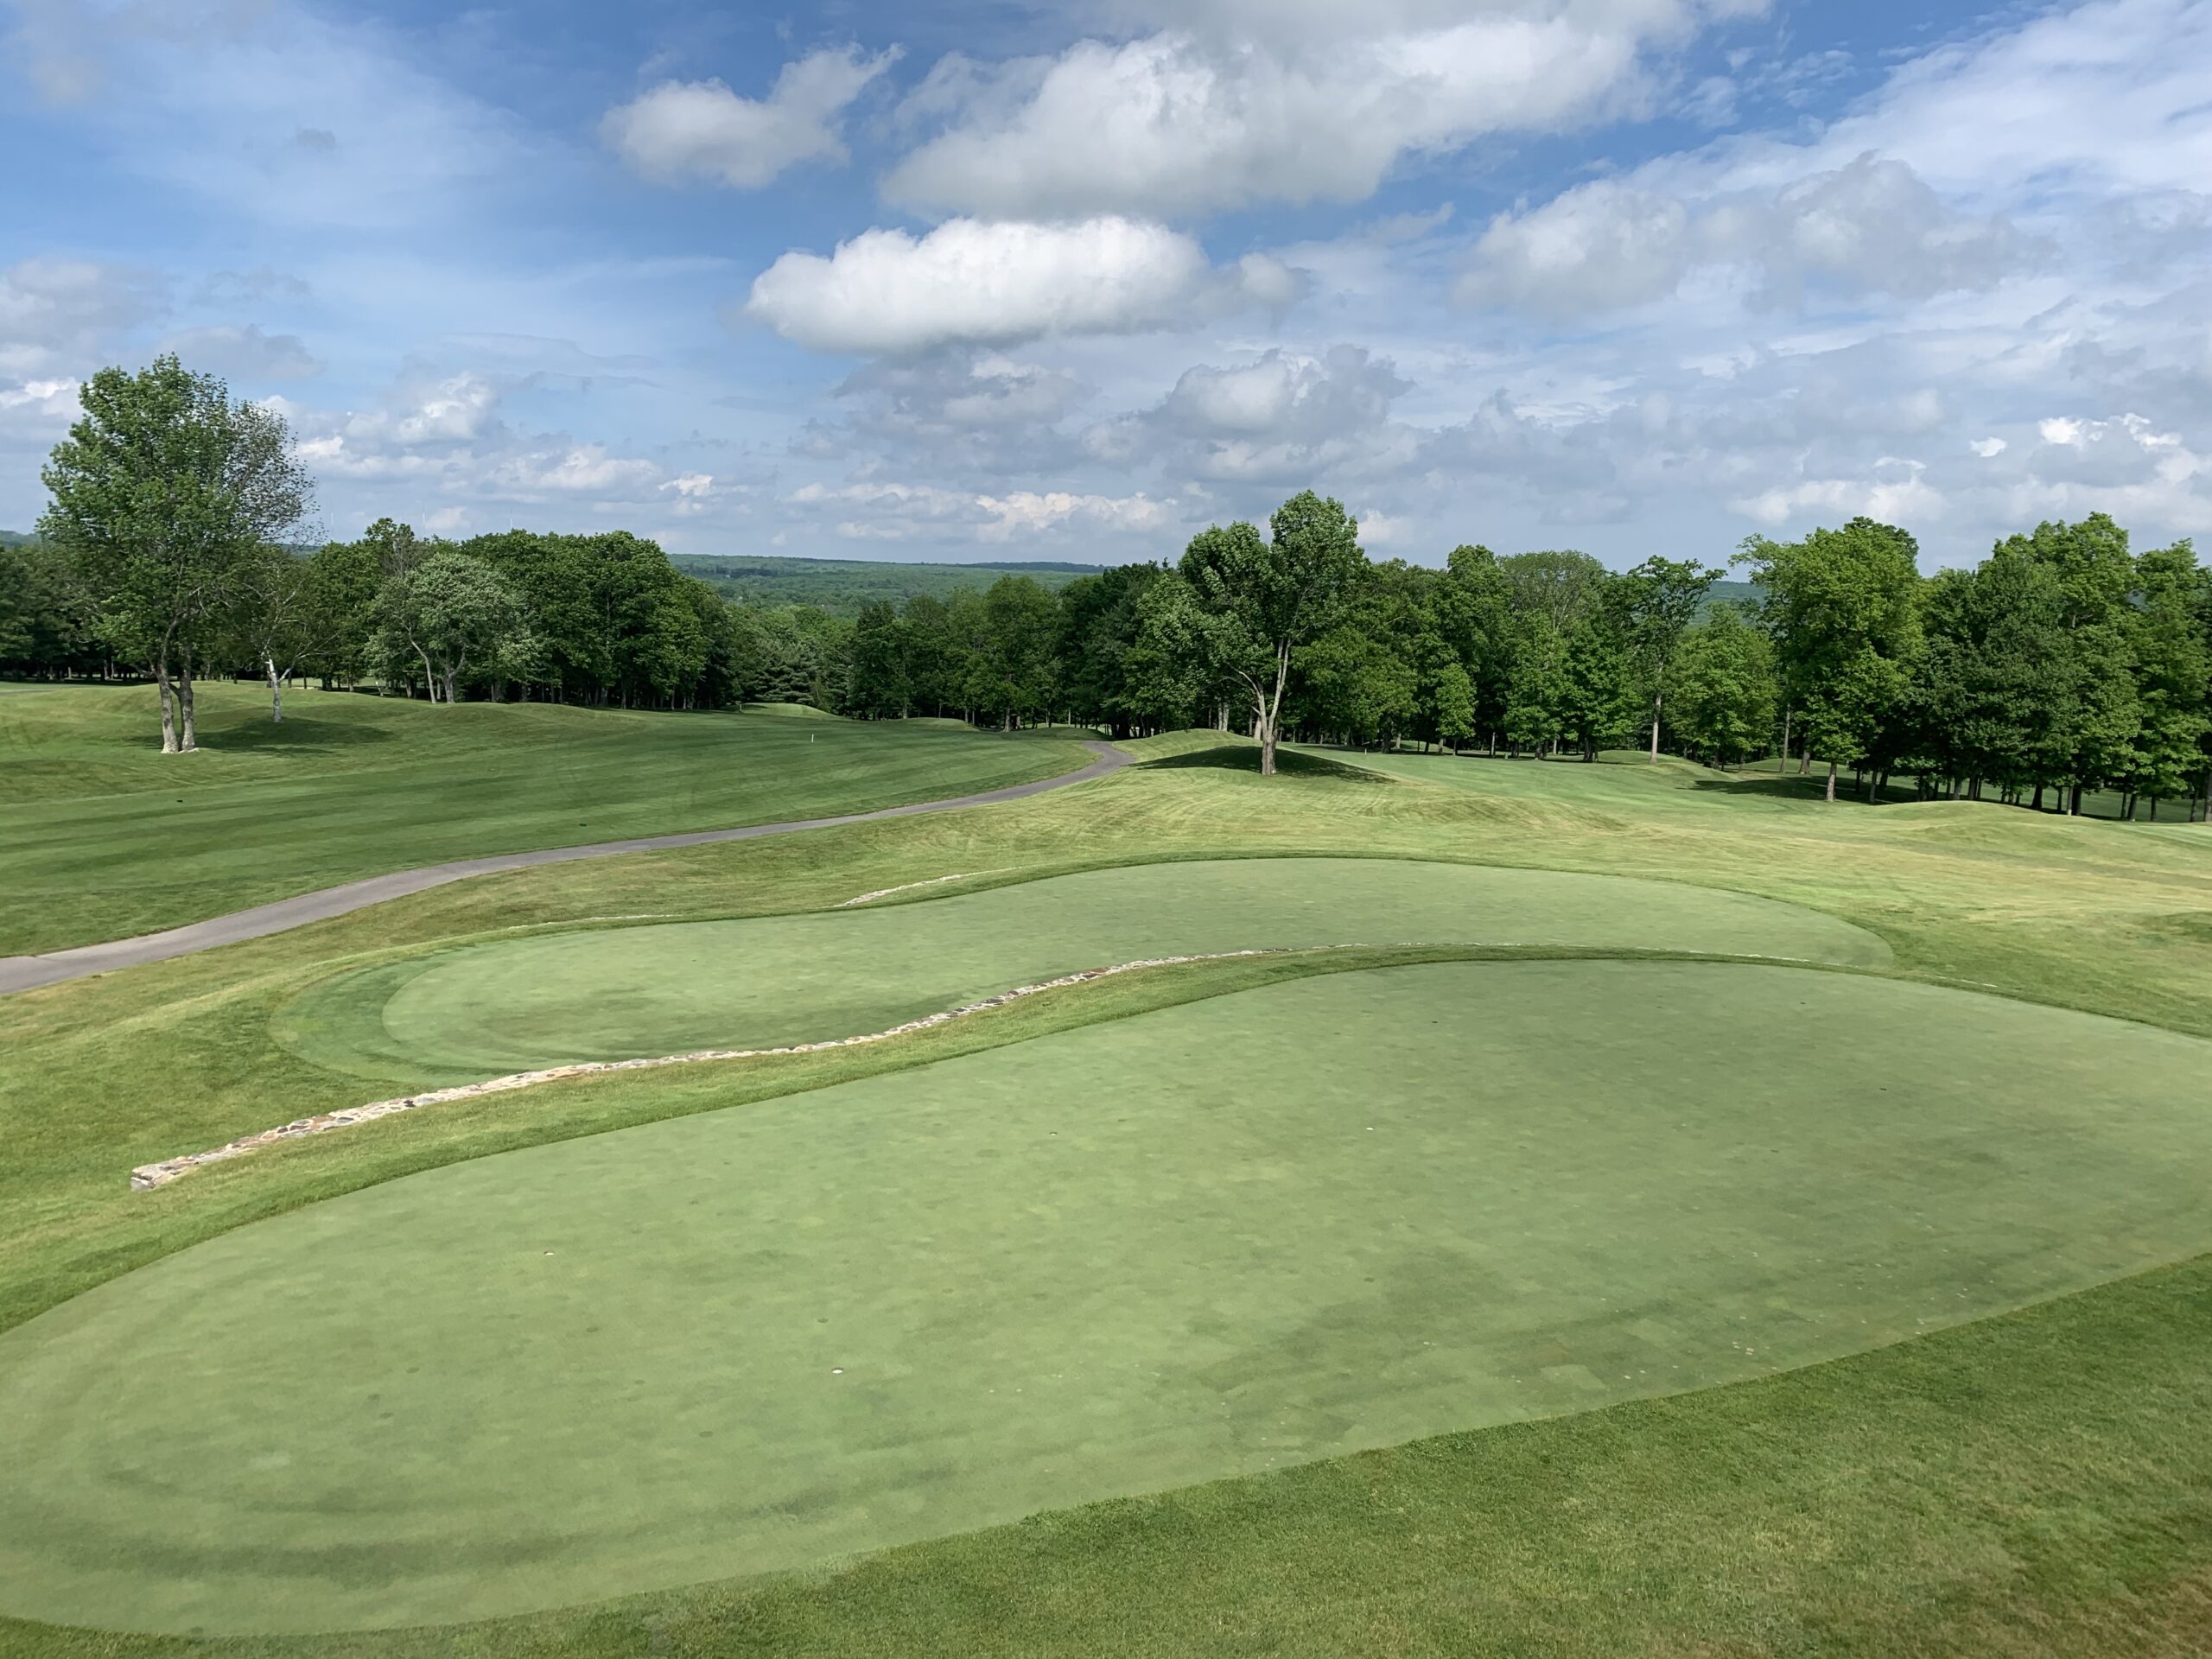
2074, 802
1831, 783
1655, 724
275, 690
1805, 758
187, 740
1782, 760
168, 708
430, 675
450, 699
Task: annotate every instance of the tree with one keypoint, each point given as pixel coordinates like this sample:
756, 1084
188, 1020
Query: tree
1600, 702
1659, 598
1841, 607
2173, 673
272, 621
2095, 580
1453, 696
1536, 697
449, 610
1724, 689
162, 488
1241, 605
878, 688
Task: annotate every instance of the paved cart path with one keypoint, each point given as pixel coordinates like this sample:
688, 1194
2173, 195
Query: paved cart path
25, 973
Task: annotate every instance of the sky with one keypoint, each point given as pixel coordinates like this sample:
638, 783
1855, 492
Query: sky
1010, 281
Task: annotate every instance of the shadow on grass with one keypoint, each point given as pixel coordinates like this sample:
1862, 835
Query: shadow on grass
300, 734
1245, 757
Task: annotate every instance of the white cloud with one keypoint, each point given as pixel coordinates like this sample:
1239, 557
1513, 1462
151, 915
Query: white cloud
245, 353
1277, 417
1871, 227
702, 128
1894, 493
974, 282
1987, 448
1236, 104
1596, 247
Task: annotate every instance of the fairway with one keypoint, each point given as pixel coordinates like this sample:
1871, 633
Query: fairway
1330, 1214
351, 786
480, 1010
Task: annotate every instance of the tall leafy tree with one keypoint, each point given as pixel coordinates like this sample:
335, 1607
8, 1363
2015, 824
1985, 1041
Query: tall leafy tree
878, 688
1240, 605
1842, 608
1724, 689
272, 622
2173, 660
1659, 598
451, 611
163, 488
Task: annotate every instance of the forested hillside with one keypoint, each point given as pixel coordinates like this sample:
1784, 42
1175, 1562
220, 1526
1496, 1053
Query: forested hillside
845, 587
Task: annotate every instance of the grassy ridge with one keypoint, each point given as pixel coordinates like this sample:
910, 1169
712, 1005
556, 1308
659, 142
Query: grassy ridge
103, 836
2032, 1485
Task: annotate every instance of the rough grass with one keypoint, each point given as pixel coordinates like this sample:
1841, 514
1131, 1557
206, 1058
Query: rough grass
2035, 1484
103, 836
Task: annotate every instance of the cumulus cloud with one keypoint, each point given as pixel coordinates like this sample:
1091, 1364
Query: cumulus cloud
1894, 493
1236, 104
701, 128
1597, 247
1872, 226
245, 353
980, 282
1278, 415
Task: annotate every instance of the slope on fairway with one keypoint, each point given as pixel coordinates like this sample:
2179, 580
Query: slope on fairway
1334, 1213
350, 786
480, 1010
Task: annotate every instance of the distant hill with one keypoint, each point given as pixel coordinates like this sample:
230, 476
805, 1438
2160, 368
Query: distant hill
843, 586
15, 538
1732, 593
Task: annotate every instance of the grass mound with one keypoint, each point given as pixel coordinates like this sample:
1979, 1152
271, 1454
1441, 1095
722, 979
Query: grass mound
480, 1010
1218, 1239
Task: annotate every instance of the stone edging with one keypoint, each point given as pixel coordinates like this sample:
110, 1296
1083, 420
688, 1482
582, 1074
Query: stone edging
147, 1177
934, 881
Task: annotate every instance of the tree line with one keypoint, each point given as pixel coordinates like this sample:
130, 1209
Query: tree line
2063, 664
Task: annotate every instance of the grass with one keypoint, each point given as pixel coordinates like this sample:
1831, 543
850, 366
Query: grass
351, 786
1240, 1235
2032, 1483
541, 999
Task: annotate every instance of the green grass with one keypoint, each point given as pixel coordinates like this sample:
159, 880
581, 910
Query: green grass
1213, 1240
508, 1005
2032, 1483
103, 836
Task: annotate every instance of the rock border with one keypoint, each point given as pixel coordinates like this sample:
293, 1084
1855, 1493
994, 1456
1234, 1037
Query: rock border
147, 1177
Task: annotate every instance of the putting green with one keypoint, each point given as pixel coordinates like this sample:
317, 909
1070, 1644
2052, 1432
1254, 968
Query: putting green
1331, 1213
480, 1010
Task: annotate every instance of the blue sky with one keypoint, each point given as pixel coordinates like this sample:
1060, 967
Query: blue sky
1009, 281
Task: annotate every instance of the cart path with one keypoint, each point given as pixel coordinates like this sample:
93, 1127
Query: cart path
26, 973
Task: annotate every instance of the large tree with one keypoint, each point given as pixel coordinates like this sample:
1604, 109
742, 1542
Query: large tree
451, 611
1659, 598
1724, 689
1842, 608
162, 490
1241, 605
